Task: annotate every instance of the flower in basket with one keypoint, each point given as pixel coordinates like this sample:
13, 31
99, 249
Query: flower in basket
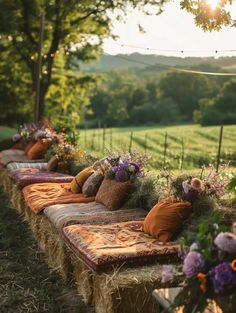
210, 269
126, 169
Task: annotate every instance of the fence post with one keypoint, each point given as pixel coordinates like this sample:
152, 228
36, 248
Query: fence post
182, 153
130, 142
92, 141
111, 143
103, 139
165, 149
219, 148
145, 144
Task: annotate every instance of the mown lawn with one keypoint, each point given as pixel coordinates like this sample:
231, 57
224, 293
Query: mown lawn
26, 283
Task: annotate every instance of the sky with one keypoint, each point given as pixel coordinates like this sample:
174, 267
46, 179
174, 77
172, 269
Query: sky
174, 29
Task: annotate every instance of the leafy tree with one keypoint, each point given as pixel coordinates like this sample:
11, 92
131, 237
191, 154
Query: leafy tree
221, 109
208, 17
185, 90
71, 27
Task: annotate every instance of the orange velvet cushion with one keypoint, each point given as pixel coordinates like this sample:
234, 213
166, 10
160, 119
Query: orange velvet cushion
38, 149
29, 146
78, 181
166, 218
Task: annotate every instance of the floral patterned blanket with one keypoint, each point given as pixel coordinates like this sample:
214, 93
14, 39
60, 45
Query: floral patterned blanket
101, 246
40, 196
26, 176
62, 215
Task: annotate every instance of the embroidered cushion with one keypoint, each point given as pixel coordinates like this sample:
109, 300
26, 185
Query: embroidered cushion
92, 184
112, 193
78, 181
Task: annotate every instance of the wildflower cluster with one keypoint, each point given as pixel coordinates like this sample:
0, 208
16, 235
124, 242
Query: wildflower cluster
127, 168
209, 267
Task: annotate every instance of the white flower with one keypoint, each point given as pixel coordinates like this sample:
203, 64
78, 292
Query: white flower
226, 242
194, 247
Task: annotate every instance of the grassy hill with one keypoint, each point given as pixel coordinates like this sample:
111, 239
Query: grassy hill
137, 60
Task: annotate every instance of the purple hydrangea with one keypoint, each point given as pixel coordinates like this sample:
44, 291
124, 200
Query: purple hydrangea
193, 263
223, 277
226, 242
122, 175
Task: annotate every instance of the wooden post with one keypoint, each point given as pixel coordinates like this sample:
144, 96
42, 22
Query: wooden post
92, 141
182, 153
111, 143
130, 142
103, 139
219, 148
165, 149
39, 70
145, 144
85, 137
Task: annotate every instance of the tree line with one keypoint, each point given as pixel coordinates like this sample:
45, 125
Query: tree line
137, 97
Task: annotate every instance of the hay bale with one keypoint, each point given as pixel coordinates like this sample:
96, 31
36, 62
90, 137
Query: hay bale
54, 248
2, 168
129, 290
6, 182
83, 277
17, 199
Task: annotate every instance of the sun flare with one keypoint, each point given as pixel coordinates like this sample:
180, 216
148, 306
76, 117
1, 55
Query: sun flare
213, 3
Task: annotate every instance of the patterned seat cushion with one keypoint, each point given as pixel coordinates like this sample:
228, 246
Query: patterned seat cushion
26, 176
40, 196
15, 165
17, 158
103, 245
62, 215
12, 152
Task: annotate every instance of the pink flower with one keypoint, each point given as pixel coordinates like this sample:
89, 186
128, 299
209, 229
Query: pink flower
167, 273
193, 263
226, 242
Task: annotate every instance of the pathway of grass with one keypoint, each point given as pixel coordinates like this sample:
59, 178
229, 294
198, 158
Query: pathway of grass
26, 283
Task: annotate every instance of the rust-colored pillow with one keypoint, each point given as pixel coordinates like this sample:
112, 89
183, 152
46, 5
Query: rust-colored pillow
38, 149
78, 181
29, 146
112, 193
52, 164
166, 218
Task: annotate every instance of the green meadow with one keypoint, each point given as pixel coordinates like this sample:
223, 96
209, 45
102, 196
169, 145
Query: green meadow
178, 147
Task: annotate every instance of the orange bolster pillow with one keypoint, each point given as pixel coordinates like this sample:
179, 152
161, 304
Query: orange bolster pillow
38, 149
78, 181
166, 218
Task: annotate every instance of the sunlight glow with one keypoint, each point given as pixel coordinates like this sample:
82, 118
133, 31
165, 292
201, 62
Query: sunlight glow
213, 3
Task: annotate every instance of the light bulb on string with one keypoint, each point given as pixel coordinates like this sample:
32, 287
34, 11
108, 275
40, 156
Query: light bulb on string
182, 54
216, 56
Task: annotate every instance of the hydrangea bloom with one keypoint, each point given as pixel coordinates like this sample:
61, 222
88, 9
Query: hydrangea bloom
167, 273
226, 242
223, 277
193, 263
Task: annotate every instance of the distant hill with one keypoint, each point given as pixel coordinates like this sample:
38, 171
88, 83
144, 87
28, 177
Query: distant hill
137, 60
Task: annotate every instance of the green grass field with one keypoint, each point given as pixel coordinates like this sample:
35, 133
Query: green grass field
6, 132
188, 146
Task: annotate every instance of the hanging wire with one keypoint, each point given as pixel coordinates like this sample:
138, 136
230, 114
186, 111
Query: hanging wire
165, 66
